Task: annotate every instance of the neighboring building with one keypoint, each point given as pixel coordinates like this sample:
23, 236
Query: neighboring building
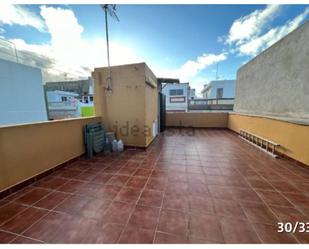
192, 94
276, 82
62, 104
219, 89
81, 87
21, 94
176, 95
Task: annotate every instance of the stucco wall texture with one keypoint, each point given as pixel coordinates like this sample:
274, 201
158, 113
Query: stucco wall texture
276, 82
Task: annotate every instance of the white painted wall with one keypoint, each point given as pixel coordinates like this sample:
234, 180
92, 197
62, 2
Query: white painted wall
227, 85
21, 94
172, 106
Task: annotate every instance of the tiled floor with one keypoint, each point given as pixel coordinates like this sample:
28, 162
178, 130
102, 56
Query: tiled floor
206, 186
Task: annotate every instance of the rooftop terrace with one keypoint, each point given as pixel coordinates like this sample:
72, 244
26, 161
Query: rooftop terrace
189, 186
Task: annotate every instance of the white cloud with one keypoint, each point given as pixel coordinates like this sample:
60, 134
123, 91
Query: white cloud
251, 25
192, 68
2, 31
257, 44
17, 15
249, 35
68, 51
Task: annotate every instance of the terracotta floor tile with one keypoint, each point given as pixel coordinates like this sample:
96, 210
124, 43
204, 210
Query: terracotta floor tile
24, 240
118, 180
201, 203
216, 180
144, 217
46, 228
108, 233
260, 184
73, 204
133, 235
109, 192
269, 234
298, 199
95, 208
112, 169
176, 202
180, 190
76, 229
274, 198
177, 177
137, 182
52, 183
33, 196
10, 210
143, 172
173, 222
198, 189
6, 237
158, 184
52, 200
23, 220
127, 170
243, 194
151, 198
118, 212
176, 188
72, 186
259, 213
164, 238
221, 192
238, 231
101, 178
128, 194
205, 227
228, 208
288, 214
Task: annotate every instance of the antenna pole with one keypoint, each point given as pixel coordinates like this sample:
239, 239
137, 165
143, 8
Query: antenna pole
217, 76
107, 46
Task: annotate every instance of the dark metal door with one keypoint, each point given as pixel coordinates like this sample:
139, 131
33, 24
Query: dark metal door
162, 111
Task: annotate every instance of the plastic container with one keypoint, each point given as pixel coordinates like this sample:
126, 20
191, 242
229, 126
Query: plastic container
120, 145
115, 145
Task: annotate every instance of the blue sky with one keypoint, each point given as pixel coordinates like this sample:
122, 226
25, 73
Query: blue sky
183, 41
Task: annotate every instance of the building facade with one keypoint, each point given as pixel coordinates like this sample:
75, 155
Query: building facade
177, 96
62, 104
21, 94
81, 87
219, 89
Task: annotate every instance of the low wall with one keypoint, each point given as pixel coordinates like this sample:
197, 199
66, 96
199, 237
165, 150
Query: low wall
197, 119
30, 149
293, 138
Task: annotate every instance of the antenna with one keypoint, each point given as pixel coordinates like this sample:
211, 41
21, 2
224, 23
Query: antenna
111, 10
217, 72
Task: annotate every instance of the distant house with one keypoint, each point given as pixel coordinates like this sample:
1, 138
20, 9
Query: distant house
177, 96
21, 94
81, 87
219, 89
62, 104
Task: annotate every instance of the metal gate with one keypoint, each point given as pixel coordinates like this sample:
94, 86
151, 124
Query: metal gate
162, 111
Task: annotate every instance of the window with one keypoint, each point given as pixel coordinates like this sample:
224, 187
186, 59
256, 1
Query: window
63, 98
174, 92
219, 93
91, 98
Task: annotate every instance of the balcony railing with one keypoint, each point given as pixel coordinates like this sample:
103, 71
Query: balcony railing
212, 101
211, 104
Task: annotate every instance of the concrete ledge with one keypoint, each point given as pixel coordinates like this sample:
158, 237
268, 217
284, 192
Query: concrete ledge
197, 119
30, 149
293, 138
